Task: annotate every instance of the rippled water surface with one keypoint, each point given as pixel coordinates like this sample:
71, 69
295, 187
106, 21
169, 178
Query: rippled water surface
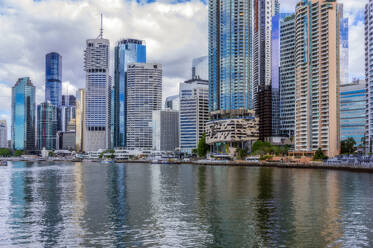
138, 205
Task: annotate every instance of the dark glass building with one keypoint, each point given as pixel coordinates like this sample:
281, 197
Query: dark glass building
47, 126
127, 51
23, 115
53, 78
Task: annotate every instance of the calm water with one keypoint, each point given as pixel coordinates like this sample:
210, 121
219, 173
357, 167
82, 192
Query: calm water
135, 205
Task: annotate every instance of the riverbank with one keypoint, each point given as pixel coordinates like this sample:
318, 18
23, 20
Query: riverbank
312, 165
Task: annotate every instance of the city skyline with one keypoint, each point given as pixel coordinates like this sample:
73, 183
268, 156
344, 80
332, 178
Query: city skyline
176, 63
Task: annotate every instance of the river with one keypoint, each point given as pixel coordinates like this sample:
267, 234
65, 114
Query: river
141, 205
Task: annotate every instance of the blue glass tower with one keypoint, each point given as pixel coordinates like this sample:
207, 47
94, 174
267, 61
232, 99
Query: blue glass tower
230, 55
23, 115
127, 51
53, 78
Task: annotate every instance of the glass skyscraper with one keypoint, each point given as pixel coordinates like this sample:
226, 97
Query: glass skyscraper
344, 53
276, 20
53, 79
127, 51
230, 54
23, 115
47, 126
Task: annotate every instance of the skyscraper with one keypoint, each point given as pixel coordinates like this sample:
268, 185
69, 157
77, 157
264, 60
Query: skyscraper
47, 126
97, 94
369, 73
230, 55
344, 45
200, 68
276, 29
193, 113
264, 10
144, 91
67, 110
317, 77
231, 90
53, 78
287, 76
23, 115
127, 51
80, 125
3, 134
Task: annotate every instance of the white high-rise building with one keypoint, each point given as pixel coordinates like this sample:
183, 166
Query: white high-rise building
144, 95
193, 113
3, 134
97, 94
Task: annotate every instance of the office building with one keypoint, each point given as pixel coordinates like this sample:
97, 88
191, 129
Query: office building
66, 140
193, 113
353, 106
173, 103
317, 59
3, 134
369, 73
53, 79
200, 68
47, 126
79, 121
97, 95
287, 76
165, 130
127, 51
144, 88
67, 110
23, 115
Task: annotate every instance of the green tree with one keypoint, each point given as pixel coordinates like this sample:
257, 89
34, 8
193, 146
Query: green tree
319, 155
18, 153
242, 153
202, 147
348, 146
5, 152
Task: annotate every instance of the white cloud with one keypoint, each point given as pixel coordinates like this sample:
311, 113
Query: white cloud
174, 33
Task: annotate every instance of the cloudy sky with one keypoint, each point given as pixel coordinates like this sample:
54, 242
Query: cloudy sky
175, 32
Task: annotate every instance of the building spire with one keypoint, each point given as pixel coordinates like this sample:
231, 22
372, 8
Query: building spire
101, 30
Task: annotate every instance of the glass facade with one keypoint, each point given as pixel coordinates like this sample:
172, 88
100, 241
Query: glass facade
230, 54
344, 56
127, 51
353, 106
53, 78
276, 20
47, 126
23, 115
